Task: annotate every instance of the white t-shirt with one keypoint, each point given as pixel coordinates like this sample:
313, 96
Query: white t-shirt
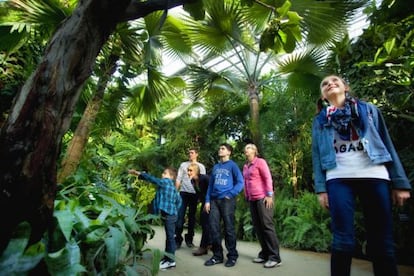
353, 162
183, 178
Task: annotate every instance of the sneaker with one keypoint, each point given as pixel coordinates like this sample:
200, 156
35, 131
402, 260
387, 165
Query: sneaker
164, 264
212, 261
230, 263
270, 264
259, 260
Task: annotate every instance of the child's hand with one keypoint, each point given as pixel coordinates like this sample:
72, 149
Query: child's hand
134, 172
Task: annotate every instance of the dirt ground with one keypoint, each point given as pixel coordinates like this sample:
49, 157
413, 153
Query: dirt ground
294, 263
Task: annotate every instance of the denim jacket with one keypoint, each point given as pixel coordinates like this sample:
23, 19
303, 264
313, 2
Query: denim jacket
375, 138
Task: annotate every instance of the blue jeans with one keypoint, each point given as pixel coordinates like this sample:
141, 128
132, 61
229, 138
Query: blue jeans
169, 226
223, 209
188, 200
374, 195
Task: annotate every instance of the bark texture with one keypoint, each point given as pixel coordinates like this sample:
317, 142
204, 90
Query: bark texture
78, 143
31, 138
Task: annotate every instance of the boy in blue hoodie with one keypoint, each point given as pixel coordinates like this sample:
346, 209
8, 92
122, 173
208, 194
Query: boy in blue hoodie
226, 182
167, 202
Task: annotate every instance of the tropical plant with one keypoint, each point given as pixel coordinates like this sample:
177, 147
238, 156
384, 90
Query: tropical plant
302, 223
19, 258
231, 31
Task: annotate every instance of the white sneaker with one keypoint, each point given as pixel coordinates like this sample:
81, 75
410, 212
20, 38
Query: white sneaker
270, 264
164, 264
258, 260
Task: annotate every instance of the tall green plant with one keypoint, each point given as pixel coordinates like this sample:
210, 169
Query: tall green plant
302, 223
106, 236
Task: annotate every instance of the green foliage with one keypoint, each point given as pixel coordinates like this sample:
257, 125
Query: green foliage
66, 261
96, 232
301, 223
145, 194
101, 216
17, 258
283, 31
244, 226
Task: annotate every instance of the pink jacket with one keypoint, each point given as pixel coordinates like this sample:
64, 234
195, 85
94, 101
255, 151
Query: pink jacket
257, 179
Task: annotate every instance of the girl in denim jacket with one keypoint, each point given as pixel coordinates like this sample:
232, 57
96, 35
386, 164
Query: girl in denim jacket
353, 156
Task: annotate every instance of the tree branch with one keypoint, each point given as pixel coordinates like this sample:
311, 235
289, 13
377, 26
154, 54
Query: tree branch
138, 9
265, 5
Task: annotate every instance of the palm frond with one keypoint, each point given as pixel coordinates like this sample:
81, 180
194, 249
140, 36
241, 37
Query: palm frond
325, 20
46, 13
177, 43
178, 111
30, 19
308, 61
223, 29
145, 98
131, 41
304, 69
201, 80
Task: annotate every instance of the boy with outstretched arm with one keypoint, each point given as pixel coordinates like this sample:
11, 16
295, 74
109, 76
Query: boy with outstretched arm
167, 202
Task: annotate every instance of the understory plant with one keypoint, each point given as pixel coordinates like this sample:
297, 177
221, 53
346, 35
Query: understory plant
301, 223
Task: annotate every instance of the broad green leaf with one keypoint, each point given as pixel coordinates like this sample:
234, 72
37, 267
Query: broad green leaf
15, 260
83, 219
389, 45
31, 257
294, 18
278, 45
103, 215
65, 262
176, 82
114, 246
282, 36
66, 221
96, 234
283, 10
290, 43
266, 40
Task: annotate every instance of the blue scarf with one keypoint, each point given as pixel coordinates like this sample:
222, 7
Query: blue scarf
345, 121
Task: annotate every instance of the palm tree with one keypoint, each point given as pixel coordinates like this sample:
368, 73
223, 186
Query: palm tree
232, 28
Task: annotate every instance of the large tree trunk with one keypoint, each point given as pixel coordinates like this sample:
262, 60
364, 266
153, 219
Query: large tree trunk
79, 140
30, 140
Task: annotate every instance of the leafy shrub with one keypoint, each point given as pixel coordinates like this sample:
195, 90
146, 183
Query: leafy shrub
301, 223
18, 259
243, 219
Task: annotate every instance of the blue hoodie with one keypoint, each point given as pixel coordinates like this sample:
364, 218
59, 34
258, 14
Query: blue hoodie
226, 180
